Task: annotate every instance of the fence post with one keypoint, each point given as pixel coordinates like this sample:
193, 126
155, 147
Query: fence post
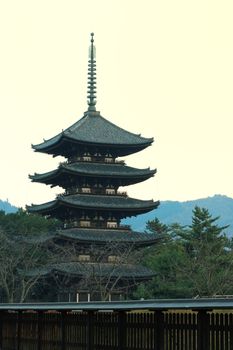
63, 330
39, 330
90, 330
1, 330
159, 330
122, 330
19, 325
203, 330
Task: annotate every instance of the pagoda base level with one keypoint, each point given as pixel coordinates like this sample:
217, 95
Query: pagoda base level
86, 296
48, 292
79, 282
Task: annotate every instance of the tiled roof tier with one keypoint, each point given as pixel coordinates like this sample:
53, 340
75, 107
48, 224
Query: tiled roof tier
102, 236
130, 206
94, 130
77, 269
129, 175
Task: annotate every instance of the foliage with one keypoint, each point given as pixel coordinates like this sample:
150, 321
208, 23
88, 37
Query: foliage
209, 259
20, 253
25, 224
190, 261
100, 277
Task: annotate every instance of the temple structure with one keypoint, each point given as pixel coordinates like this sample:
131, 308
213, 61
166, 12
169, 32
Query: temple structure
91, 207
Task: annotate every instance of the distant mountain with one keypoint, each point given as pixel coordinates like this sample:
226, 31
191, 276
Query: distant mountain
7, 207
172, 211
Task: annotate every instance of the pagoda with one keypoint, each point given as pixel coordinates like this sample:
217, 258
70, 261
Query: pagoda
91, 206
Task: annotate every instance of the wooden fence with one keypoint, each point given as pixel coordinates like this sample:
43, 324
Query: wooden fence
158, 325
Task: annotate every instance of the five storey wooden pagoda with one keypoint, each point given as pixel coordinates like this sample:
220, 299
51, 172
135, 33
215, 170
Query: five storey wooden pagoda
91, 207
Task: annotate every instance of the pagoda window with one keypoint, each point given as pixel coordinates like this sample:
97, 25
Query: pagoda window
108, 160
87, 157
84, 258
85, 223
113, 258
110, 191
86, 190
111, 224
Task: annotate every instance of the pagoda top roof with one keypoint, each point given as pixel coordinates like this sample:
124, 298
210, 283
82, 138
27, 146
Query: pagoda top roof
78, 269
95, 169
87, 201
93, 129
102, 236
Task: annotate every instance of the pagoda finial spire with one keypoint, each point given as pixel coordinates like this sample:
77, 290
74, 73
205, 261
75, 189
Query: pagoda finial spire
91, 76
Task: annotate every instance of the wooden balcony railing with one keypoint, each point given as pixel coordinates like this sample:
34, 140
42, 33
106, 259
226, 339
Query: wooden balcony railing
92, 191
94, 160
95, 225
152, 325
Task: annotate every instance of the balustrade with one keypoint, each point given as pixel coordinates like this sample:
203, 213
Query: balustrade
95, 225
154, 324
94, 160
97, 191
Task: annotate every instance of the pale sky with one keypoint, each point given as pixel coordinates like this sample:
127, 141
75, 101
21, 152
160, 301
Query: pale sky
164, 69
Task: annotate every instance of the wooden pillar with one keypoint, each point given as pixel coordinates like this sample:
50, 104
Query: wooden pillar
1, 330
203, 330
90, 330
63, 330
19, 326
39, 330
159, 330
122, 330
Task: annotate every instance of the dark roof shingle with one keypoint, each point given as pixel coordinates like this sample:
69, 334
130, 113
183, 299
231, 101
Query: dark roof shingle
93, 128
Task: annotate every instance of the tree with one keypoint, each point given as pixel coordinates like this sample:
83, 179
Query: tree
208, 255
20, 253
27, 225
164, 259
103, 274
17, 257
190, 261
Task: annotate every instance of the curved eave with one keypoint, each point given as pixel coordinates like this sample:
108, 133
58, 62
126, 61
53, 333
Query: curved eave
94, 130
90, 236
103, 236
54, 176
63, 143
94, 202
76, 269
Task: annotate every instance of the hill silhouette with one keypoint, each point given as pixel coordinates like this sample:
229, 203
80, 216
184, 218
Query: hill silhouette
181, 212
7, 207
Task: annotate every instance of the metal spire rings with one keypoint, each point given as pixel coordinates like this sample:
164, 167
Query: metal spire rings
91, 76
